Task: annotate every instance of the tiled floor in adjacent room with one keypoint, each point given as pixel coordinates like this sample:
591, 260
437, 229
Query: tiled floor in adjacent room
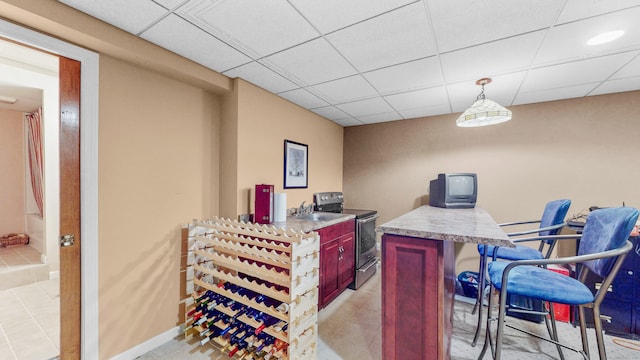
29, 308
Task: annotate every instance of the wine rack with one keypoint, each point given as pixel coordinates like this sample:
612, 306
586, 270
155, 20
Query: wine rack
254, 289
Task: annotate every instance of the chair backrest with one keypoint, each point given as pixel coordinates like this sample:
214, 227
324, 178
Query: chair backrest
606, 229
554, 214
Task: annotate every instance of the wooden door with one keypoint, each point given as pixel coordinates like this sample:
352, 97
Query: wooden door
70, 321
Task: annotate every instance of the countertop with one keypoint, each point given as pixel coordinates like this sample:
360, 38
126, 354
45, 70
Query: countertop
298, 224
459, 225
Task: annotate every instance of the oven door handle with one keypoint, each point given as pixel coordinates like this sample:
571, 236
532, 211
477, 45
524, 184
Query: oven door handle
367, 219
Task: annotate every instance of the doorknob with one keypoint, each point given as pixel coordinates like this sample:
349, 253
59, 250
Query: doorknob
67, 240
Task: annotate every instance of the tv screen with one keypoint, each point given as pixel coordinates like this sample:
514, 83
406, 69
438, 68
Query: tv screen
454, 190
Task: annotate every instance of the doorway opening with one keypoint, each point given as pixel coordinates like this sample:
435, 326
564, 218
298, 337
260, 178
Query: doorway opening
87, 113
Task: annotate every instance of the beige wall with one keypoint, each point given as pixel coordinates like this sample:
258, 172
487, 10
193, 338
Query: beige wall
158, 167
175, 144
12, 172
264, 122
583, 149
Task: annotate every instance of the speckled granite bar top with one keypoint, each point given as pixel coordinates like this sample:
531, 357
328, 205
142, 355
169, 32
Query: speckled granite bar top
460, 225
305, 225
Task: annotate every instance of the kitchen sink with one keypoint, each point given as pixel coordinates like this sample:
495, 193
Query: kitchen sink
318, 216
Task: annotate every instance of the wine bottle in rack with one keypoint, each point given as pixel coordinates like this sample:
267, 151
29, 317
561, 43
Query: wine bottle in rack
279, 346
265, 347
213, 332
267, 321
239, 341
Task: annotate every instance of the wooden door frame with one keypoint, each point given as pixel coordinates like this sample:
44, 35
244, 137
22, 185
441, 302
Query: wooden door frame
89, 172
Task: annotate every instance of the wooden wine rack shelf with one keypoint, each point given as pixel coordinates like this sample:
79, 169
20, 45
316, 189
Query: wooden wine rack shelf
280, 264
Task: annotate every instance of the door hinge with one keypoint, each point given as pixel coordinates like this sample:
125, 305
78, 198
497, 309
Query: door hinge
67, 240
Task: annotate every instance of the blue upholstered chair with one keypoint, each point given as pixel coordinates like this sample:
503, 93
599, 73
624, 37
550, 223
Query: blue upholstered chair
602, 249
551, 223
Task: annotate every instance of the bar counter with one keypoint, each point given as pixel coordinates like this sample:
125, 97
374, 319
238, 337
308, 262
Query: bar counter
418, 277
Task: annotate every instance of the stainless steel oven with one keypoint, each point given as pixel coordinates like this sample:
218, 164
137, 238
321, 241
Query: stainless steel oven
365, 233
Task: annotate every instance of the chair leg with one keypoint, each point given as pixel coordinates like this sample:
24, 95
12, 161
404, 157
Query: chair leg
480, 298
583, 330
553, 330
487, 338
599, 337
501, 315
481, 277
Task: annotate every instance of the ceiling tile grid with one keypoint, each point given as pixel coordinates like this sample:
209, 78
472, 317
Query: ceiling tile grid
403, 35
365, 61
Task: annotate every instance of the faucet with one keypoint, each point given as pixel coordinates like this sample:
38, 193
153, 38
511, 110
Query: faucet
301, 210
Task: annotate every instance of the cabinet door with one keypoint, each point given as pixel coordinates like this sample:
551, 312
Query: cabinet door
347, 260
330, 285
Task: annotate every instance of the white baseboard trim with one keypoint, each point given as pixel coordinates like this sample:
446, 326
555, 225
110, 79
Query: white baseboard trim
54, 275
149, 345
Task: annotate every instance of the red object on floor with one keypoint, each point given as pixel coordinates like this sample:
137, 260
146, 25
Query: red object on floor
561, 311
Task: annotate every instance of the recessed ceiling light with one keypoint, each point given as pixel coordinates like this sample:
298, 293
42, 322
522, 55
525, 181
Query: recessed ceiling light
605, 37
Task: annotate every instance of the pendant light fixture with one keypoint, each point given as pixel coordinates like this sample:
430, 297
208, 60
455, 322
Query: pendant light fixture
483, 111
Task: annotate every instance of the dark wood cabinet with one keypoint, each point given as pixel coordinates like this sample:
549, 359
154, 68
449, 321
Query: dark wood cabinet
417, 298
337, 260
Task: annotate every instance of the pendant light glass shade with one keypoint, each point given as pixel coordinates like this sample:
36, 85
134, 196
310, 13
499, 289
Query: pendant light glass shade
483, 111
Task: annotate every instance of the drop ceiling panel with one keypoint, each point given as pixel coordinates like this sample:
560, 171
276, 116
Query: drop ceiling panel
310, 63
345, 89
365, 107
331, 113
554, 94
569, 42
380, 117
632, 68
348, 122
419, 99
260, 75
425, 111
618, 85
575, 73
404, 34
408, 76
512, 54
170, 4
131, 16
303, 98
580, 9
330, 15
235, 21
462, 23
181, 37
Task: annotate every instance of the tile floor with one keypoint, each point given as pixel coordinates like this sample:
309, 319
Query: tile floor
20, 265
349, 329
29, 308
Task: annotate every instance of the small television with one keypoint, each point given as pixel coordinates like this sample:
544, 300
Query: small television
454, 190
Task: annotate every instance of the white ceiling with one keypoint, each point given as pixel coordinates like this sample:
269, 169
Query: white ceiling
365, 61
15, 61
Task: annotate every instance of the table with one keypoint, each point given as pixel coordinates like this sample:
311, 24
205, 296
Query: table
418, 277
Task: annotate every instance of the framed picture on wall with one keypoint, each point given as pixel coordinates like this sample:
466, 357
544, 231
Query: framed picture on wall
296, 165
